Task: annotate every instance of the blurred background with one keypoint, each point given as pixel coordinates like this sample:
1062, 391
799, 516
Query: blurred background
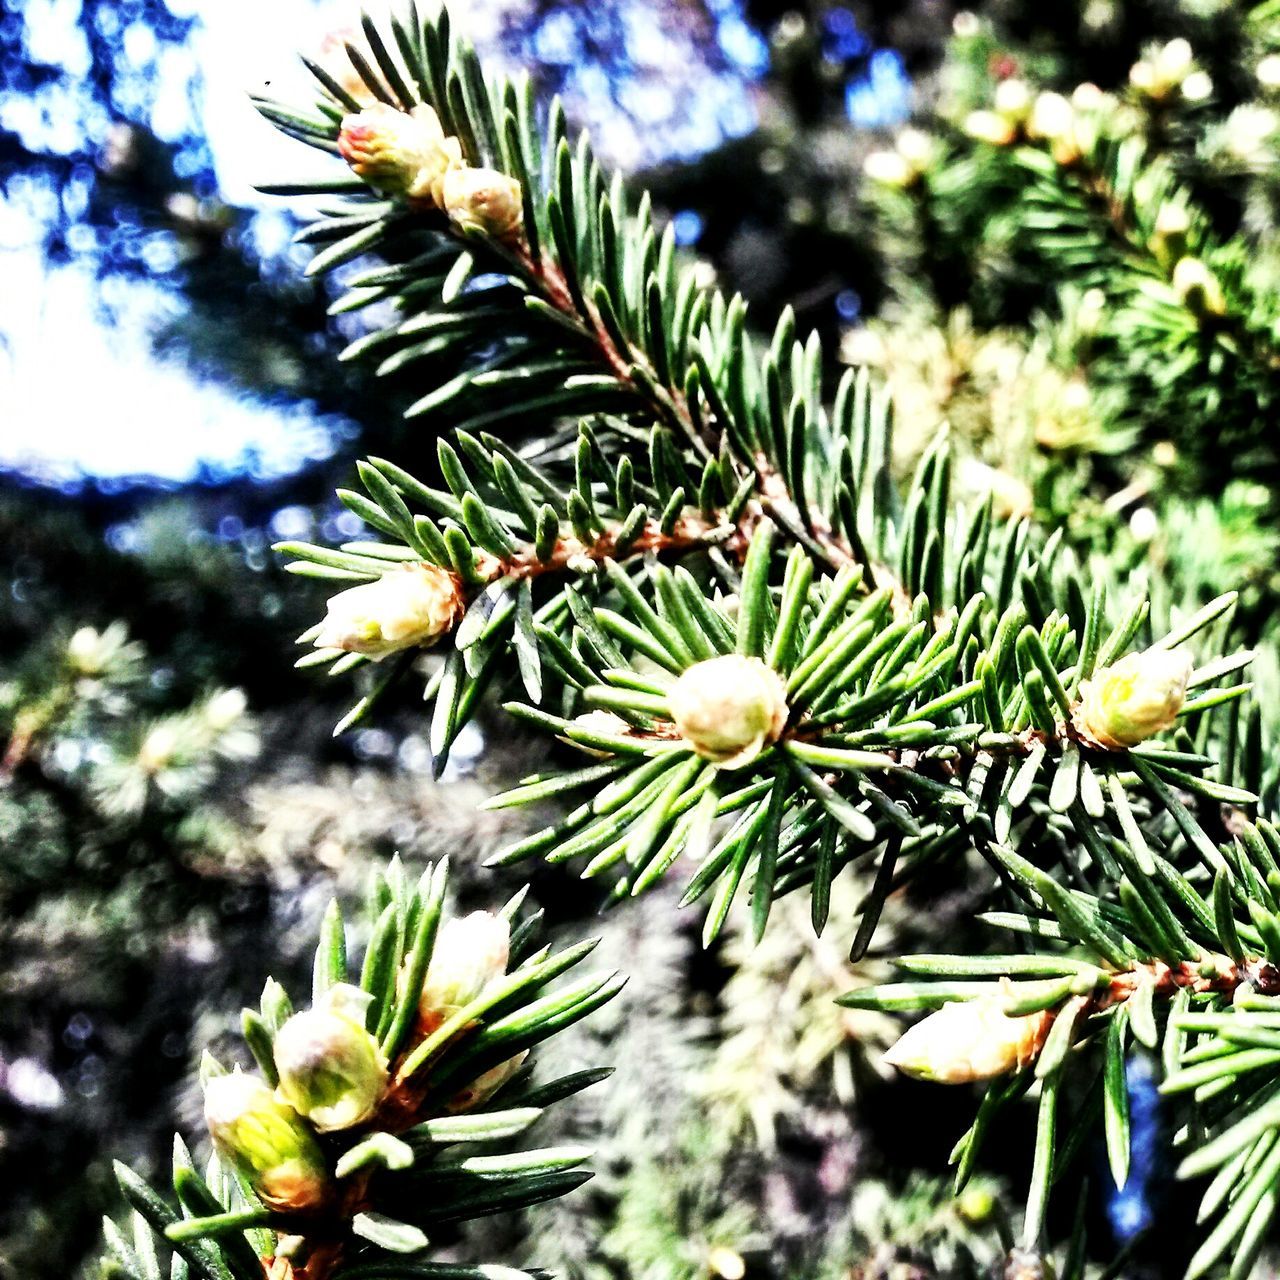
173, 809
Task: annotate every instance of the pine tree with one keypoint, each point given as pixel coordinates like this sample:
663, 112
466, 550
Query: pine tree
703, 574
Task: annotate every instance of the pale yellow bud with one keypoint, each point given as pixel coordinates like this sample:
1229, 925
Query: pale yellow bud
1198, 288
267, 1141
158, 748
410, 606
402, 153
482, 1088
1142, 76
1092, 309
970, 1040
331, 1068
1175, 59
1169, 235
976, 1205
1013, 99
862, 346
1075, 395
1269, 71
1169, 68
470, 953
1144, 524
889, 169
85, 652
1088, 97
728, 709
989, 126
1249, 134
1197, 87
916, 147
225, 708
1137, 697
1051, 116
726, 1264
484, 201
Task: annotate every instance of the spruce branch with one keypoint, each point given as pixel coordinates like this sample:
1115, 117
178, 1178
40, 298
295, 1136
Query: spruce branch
1183, 966
779, 662
343, 1152
839, 674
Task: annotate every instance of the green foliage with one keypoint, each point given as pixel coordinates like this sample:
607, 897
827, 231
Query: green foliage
433, 1148
704, 572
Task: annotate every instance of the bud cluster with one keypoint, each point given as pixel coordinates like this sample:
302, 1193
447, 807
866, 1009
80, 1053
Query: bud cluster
408, 154
1067, 126
909, 160
1005, 122
1167, 71
332, 1074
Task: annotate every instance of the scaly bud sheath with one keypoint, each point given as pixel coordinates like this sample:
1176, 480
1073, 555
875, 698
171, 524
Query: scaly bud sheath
970, 1040
484, 201
470, 953
728, 709
1141, 695
409, 607
267, 1141
402, 153
482, 1088
331, 1069
598, 722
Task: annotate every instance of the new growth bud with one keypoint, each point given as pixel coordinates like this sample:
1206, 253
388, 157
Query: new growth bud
727, 709
1168, 69
470, 953
1198, 288
484, 201
331, 1069
1169, 235
1139, 696
410, 606
267, 1141
912, 155
1013, 99
970, 1040
888, 168
402, 153
990, 126
1268, 72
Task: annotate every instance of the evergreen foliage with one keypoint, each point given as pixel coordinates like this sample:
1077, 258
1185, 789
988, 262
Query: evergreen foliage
382, 1113
704, 573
